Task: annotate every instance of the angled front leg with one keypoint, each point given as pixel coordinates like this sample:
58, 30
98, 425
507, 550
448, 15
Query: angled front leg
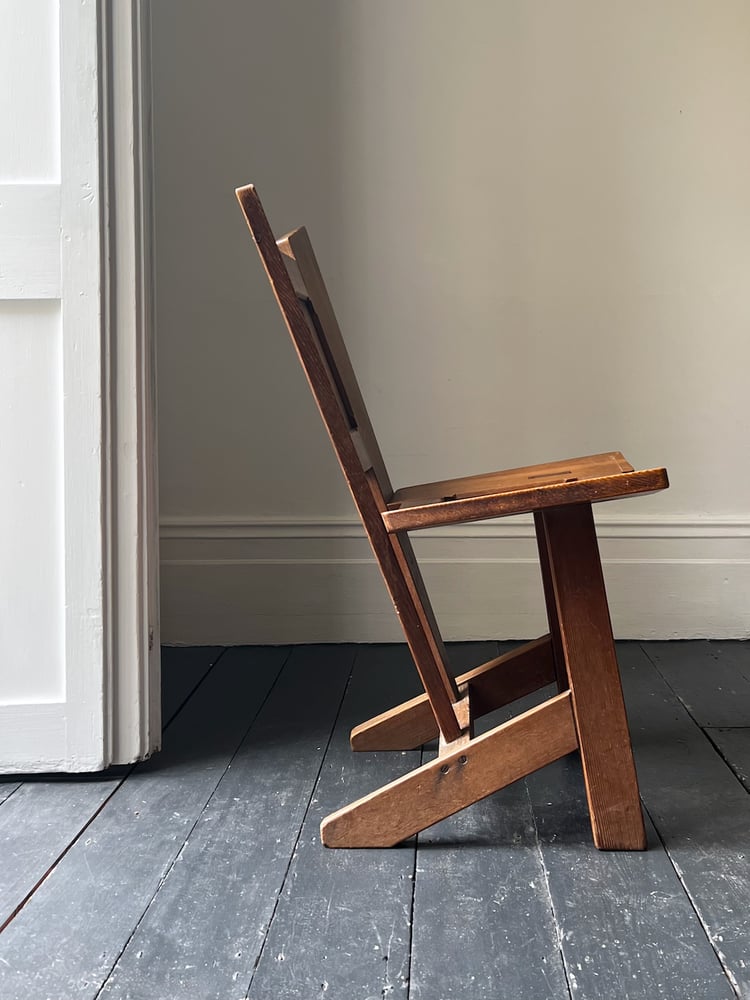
587, 646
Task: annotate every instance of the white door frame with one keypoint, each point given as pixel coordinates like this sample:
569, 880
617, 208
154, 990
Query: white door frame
133, 723
85, 238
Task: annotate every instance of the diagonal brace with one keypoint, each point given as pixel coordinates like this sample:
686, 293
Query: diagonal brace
456, 779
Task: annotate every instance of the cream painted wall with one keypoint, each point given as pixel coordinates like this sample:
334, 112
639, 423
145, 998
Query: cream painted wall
534, 219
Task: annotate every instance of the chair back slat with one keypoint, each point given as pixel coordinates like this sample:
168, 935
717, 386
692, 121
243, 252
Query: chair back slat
308, 283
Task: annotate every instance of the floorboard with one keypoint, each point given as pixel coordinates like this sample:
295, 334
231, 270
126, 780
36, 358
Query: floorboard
203, 933
712, 679
484, 862
183, 669
700, 809
93, 899
7, 788
626, 927
200, 872
734, 747
37, 826
342, 928
47, 814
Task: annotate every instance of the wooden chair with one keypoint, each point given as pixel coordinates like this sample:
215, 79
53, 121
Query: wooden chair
587, 713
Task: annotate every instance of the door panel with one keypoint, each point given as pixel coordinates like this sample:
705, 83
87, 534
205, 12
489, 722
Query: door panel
31, 498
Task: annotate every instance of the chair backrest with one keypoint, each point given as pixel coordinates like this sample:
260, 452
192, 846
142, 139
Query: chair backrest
307, 281
302, 297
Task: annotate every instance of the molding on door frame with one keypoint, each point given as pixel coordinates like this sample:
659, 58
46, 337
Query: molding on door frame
131, 617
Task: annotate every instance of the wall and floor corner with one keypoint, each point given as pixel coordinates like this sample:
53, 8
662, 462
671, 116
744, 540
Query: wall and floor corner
535, 224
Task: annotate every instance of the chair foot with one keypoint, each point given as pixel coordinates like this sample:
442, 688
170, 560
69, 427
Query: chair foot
456, 779
494, 684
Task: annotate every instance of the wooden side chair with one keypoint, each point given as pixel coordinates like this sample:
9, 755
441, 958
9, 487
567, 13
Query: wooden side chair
587, 712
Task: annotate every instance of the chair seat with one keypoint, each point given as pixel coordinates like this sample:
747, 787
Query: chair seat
588, 479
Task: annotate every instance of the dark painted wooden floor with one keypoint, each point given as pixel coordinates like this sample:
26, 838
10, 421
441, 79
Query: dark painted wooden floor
200, 873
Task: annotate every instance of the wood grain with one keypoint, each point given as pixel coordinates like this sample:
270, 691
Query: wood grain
443, 786
465, 715
425, 511
507, 480
548, 586
591, 663
560, 494
498, 682
300, 259
321, 351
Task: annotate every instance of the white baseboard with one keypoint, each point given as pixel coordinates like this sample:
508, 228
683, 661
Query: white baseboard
232, 580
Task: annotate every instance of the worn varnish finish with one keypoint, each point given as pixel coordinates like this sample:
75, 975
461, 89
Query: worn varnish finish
580, 649
456, 779
588, 652
203, 874
454, 501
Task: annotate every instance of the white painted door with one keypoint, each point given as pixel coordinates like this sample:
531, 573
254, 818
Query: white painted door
78, 618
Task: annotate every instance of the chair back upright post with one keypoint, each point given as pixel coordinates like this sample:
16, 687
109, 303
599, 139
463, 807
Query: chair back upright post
303, 300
